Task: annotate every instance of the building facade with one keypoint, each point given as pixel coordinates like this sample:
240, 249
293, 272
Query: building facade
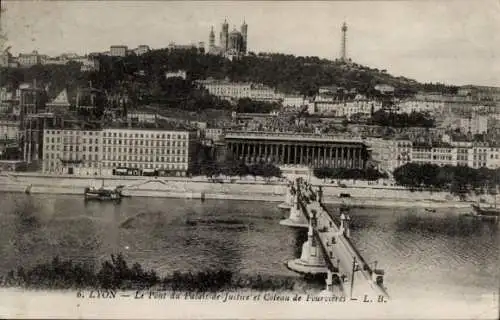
29, 59
149, 150
141, 49
72, 151
113, 151
181, 74
414, 105
9, 128
236, 90
294, 101
118, 51
296, 149
475, 124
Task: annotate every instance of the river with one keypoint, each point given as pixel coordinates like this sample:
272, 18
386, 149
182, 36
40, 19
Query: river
439, 254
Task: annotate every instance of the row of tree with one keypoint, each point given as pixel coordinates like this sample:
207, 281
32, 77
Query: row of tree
456, 179
234, 168
370, 174
117, 274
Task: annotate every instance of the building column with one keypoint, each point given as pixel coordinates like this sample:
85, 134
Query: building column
354, 157
289, 153
295, 154
341, 156
351, 157
272, 152
306, 159
254, 152
301, 155
281, 153
361, 160
313, 156
336, 158
330, 157
348, 157
323, 149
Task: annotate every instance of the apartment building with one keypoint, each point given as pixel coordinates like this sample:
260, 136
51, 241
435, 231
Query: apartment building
118, 51
294, 101
148, 150
474, 124
119, 150
214, 134
478, 156
181, 74
236, 90
9, 128
413, 105
382, 153
29, 59
440, 155
403, 153
72, 151
493, 157
360, 105
141, 49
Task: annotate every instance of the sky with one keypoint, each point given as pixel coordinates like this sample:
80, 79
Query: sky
448, 41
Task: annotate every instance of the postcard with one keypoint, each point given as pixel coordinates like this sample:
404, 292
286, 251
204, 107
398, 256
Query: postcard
243, 160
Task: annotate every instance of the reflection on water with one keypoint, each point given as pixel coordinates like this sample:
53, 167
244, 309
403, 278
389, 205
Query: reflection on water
419, 251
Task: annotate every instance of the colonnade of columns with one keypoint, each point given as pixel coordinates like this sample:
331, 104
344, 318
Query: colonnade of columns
309, 154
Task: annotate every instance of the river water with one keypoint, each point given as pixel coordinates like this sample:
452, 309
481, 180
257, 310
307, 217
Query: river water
439, 254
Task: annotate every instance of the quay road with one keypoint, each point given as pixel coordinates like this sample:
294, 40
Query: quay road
341, 256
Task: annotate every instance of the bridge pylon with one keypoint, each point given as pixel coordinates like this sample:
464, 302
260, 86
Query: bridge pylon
296, 218
311, 259
288, 203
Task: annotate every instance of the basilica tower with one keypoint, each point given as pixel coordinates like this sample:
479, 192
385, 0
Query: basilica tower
244, 33
211, 39
224, 34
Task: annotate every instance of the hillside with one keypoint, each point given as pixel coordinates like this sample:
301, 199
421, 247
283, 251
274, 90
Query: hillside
143, 76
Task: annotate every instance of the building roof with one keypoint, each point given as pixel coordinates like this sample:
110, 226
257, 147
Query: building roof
61, 100
158, 125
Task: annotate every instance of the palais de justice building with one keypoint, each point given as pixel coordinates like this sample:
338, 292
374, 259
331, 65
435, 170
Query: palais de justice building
297, 149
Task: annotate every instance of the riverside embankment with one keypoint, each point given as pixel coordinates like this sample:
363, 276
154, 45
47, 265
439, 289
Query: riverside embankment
236, 189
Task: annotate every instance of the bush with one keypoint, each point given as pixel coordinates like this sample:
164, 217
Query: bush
116, 274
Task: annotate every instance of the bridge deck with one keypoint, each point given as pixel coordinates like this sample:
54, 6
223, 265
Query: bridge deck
339, 253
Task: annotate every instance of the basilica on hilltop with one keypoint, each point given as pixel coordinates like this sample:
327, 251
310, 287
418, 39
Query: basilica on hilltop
231, 44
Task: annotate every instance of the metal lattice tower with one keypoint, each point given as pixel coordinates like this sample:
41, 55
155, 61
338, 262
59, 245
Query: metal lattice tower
343, 49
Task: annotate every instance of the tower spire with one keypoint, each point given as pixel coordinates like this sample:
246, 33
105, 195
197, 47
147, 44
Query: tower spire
211, 38
343, 49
